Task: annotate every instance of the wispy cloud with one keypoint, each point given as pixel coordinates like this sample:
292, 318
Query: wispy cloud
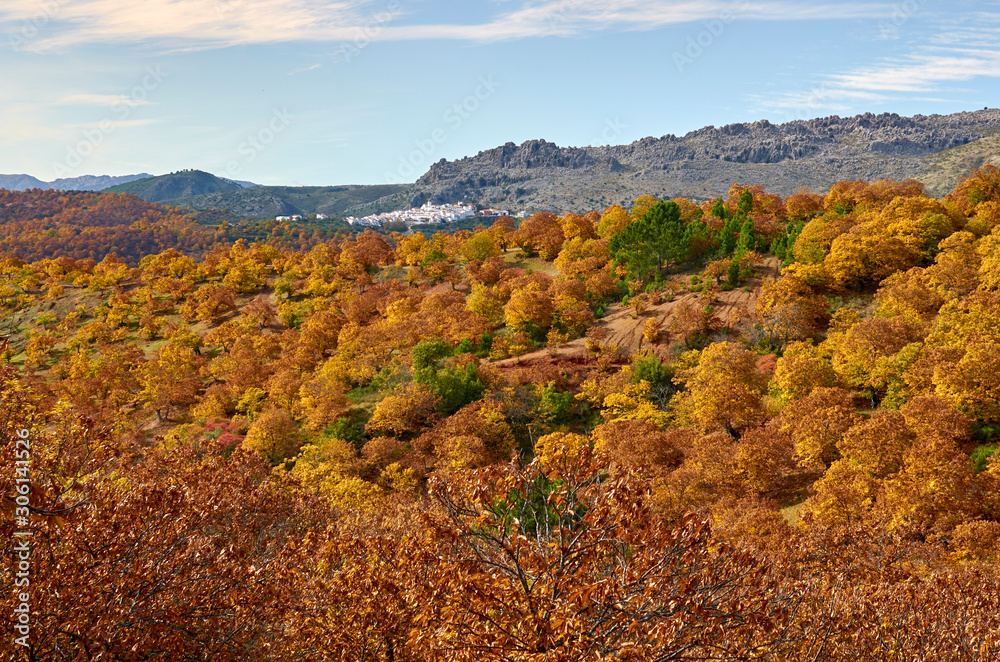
573, 17
311, 67
101, 100
191, 23
925, 74
920, 73
211, 24
119, 124
951, 49
978, 30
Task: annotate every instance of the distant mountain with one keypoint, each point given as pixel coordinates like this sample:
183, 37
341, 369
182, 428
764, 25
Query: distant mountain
539, 175
83, 183
22, 182
182, 184
270, 201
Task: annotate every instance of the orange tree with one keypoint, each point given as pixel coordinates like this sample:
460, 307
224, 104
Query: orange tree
164, 555
554, 563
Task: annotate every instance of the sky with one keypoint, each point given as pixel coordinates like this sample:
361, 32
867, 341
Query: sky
326, 92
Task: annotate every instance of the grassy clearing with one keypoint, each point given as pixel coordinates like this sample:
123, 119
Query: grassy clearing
791, 513
516, 258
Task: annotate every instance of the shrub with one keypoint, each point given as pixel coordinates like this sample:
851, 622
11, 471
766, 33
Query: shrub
981, 456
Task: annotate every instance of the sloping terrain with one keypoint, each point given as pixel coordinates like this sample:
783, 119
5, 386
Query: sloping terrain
538, 175
82, 183
945, 169
176, 185
624, 328
269, 201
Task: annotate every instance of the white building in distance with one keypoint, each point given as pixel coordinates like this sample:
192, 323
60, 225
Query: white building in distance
427, 213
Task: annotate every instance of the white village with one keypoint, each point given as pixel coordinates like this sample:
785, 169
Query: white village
426, 214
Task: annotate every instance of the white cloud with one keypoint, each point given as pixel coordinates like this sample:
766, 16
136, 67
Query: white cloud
197, 23
101, 100
311, 67
977, 30
920, 73
914, 78
194, 24
571, 17
117, 124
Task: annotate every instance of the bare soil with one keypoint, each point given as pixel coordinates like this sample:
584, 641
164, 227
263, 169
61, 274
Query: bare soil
625, 328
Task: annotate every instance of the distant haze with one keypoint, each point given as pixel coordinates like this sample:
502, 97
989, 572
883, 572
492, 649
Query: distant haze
82, 183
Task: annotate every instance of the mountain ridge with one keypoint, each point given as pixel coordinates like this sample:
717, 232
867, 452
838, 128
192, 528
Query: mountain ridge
538, 174
22, 182
180, 184
265, 201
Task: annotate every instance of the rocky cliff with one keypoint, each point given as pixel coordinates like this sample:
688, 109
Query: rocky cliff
704, 163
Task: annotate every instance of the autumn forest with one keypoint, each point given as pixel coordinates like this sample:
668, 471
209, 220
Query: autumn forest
748, 428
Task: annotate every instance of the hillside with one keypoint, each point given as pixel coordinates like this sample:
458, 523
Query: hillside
36, 225
82, 183
270, 201
943, 170
181, 184
538, 175
691, 432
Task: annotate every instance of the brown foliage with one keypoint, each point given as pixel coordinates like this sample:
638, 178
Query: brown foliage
640, 446
817, 422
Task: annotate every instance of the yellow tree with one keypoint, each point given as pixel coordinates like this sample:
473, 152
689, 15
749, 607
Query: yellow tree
868, 253
816, 423
169, 380
581, 258
908, 295
789, 309
273, 436
488, 302
641, 205
972, 384
723, 391
576, 226
957, 267
845, 495
530, 305
502, 229
934, 492
557, 450
818, 235
980, 187
919, 222
613, 220
321, 400
802, 368
989, 269
879, 444
403, 412
875, 354
480, 246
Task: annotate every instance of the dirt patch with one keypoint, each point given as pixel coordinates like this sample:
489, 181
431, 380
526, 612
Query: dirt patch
625, 328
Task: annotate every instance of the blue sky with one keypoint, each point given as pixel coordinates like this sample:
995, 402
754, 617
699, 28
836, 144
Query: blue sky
316, 92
